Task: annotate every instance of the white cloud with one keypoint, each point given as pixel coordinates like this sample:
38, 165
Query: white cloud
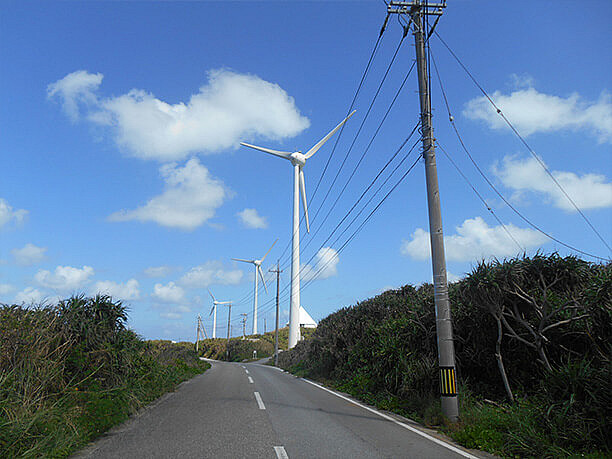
29, 254
65, 278
453, 277
190, 198
170, 315
251, 219
6, 288
29, 295
169, 293
230, 107
174, 312
474, 240
76, 88
8, 214
158, 271
589, 191
126, 291
209, 273
531, 111
326, 265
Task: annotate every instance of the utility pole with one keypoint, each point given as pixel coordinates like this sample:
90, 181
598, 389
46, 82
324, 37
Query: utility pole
277, 271
265, 326
244, 317
419, 10
198, 335
229, 327
200, 330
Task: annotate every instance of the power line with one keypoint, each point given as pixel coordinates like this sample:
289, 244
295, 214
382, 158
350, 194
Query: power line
360, 227
367, 147
406, 29
363, 122
373, 195
489, 208
379, 173
363, 77
524, 142
484, 176
319, 268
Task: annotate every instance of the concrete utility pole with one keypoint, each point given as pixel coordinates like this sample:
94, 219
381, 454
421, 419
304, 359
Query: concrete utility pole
229, 328
198, 335
419, 10
277, 271
200, 331
244, 317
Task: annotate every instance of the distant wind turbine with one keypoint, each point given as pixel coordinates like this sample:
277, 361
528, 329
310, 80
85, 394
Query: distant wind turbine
257, 264
214, 311
299, 187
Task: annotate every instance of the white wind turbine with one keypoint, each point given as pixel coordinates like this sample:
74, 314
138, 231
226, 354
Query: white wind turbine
214, 312
257, 264
299, 161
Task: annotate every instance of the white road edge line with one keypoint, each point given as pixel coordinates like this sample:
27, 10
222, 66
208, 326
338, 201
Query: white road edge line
259, 401
395, 421
250, 380
280, 452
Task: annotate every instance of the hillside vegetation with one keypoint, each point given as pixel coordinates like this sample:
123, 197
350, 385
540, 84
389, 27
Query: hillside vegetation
533, 347
69, 372
240, 349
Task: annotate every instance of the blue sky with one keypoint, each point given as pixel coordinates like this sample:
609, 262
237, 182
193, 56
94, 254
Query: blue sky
122, 171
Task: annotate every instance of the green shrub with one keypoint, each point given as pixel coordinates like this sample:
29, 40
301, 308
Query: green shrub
71, 371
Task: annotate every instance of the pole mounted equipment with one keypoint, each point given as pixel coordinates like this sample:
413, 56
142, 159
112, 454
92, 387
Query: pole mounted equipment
418, 11
258, 271
298, 160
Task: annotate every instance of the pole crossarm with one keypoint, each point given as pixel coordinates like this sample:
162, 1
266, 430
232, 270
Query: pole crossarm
431, 9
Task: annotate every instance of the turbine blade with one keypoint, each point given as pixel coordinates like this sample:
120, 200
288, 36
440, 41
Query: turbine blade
280, 154
264, 257
262, 278
314, 149
213, 296
245, 261
223, 302
303, 193
211, 310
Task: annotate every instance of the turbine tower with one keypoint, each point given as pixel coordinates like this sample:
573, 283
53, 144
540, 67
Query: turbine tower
214, 312
257, 264
298, 160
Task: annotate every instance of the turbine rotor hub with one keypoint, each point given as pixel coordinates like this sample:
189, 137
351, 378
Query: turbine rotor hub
298, 158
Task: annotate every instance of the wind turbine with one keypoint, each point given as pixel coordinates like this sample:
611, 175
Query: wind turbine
299, 187
214, 311
257, 264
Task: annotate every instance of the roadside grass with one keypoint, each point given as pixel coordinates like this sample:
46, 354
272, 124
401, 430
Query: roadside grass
504, 429
70, 372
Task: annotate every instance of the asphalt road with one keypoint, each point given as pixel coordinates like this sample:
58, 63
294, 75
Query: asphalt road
255, 411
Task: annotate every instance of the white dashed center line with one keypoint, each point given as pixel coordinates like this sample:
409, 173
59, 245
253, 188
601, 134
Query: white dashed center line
250, 380
280, 452
259, 401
